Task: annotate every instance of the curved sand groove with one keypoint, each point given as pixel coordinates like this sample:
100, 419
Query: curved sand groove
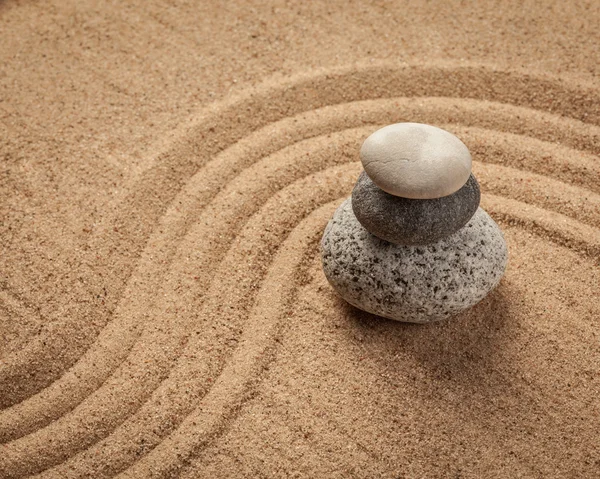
185, 439
285, 166
555, 227
109, 407
41, 414
40, 359
440, 110
548, 194
519, 120
353, 175
237, 288
317, 317
184, 442
171, 175
528, 153
401, 376
227, 122
66, 394
256, 343
495, 204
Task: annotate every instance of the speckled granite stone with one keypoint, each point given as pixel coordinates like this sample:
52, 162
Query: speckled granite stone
417, 284
409, 221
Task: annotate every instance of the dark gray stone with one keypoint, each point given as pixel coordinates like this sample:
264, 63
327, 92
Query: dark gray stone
416, 284
409, 221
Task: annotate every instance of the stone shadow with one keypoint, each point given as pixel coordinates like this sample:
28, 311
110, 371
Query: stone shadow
466, 348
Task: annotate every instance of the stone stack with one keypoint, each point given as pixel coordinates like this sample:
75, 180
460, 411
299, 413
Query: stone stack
412, 244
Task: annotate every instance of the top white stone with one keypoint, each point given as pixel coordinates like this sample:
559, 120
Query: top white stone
414, 160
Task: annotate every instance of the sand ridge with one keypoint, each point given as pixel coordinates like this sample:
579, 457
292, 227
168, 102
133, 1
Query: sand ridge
225, 350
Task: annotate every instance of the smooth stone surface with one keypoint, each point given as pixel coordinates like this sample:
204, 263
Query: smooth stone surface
413, 160
418, 284
413, 222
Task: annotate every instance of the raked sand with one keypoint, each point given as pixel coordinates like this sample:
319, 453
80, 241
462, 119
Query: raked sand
166, 173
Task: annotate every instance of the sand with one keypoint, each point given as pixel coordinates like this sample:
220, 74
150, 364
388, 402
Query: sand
166, 174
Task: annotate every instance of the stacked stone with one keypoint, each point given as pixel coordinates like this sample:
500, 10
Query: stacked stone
411, 243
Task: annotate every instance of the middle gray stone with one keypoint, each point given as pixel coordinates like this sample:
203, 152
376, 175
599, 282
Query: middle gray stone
408, 221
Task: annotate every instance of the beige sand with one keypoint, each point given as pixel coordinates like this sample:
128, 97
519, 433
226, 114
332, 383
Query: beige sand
166, 174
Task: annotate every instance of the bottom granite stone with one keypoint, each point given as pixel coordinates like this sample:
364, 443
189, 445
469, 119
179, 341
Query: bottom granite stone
417, 284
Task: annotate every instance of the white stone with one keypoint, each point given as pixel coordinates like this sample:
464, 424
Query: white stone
417, 161
417, 284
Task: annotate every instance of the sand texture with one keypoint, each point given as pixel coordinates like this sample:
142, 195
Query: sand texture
166, 173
